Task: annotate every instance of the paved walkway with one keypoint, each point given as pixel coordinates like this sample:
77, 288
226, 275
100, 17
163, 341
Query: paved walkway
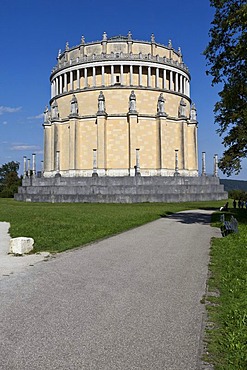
10, 264
128, 302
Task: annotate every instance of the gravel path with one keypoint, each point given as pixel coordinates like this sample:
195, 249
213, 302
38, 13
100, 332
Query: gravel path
128, 302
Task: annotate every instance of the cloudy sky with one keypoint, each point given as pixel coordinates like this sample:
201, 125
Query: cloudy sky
32, 32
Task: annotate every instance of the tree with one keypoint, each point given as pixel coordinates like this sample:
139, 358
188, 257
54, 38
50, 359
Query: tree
226, 54
9, 179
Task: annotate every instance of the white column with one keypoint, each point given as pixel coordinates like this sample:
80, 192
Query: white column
149, 76
188, 88
103, 75
78, 78
95, 163
121, 74
94, 77
71, 81
164, 78
24, 167
85, 77
34, 164
171, 82
42, 168
60, 84
176, 81
157, 78
184, 85
52, 89
112, 74
28, 168
176, 163
181, 84
216, 165
137, 168
56, 86
203, 164
131, 75
140, 75
65, 82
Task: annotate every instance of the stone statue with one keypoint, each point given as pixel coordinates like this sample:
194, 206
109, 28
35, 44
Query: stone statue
47, 115
152, 38
181, 109
73, 106
129, 36
67, 46
82, 40
161, 105
54, 110
170, 44
59, 53
132, 102
104, 36
101, 103
193, 116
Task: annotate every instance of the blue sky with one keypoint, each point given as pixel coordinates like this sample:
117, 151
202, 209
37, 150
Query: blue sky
32, 32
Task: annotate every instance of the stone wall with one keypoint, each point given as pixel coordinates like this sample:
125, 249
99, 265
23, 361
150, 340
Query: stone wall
121, 189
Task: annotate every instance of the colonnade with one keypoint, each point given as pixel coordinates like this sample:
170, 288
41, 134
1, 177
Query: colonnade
120, 74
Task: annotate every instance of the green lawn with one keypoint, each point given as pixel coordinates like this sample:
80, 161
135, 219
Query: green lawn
227, 311
60, 226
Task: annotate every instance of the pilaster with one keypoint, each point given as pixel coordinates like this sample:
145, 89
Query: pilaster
133, 141
101, 143
72, 144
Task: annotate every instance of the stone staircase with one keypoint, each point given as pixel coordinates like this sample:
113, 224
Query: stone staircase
136, 189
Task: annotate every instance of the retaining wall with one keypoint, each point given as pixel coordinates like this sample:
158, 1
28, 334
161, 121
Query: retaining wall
120, 189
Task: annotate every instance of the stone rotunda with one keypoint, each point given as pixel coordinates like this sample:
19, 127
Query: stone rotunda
121, 127
120, 106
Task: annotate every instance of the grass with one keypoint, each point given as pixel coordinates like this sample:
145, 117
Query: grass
60, 226
227, 311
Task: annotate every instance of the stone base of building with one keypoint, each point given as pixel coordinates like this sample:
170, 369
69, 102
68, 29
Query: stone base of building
120, 173
128, 189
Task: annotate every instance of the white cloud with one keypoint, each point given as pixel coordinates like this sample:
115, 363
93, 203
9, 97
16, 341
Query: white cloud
4, 122
25, 147
39, 116
8, 109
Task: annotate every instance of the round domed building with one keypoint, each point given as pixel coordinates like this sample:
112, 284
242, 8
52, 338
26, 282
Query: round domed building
120, 107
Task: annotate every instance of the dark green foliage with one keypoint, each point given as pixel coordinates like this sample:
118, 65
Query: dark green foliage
9, 179
226, 55
238, 194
